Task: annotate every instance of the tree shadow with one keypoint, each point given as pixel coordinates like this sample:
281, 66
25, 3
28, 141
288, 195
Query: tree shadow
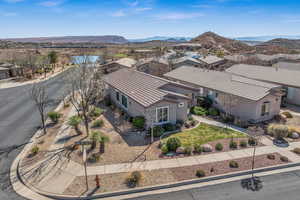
254, 184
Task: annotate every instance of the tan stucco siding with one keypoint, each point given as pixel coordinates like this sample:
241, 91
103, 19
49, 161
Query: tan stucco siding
293, 96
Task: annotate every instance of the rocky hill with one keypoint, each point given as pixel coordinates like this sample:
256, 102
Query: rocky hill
113, 39
210, 40
284, 43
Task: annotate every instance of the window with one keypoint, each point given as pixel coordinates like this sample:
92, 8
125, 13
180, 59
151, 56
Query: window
210, 93
118, 96
265, 108
201, 91
124, 101
162, 114
181, 105
216, 95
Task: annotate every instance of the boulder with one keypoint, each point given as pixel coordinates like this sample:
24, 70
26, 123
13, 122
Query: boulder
295, 135
180, 150
207, 148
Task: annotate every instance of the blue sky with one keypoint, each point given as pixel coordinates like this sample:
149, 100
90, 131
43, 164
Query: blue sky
144, 18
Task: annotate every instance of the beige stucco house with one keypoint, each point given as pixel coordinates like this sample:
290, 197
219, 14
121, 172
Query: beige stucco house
289, 79
245, 99
154, 66
159, 100
118, 64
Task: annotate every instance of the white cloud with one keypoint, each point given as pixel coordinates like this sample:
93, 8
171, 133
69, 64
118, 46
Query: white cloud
9, 14
143, 9
50, 3
134, 3
119, 13
179, 16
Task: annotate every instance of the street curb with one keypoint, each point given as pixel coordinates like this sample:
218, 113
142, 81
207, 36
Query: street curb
165, 186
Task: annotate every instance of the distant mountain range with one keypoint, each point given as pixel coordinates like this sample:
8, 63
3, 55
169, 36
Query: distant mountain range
267, 38
162, 38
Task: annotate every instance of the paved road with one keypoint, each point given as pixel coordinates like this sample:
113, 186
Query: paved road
19, 120
285, 186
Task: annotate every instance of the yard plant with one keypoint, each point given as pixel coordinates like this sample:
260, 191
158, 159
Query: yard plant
134, 179
97, 123
197, 110
219, 147
200, 173
279, 131
233, 164
173, 143
54, 116
74, 121
139, 122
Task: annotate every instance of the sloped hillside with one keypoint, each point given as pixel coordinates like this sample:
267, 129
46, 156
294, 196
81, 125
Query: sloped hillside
284, 43
210, 40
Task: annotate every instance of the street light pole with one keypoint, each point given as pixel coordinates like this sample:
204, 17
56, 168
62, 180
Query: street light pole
85, 167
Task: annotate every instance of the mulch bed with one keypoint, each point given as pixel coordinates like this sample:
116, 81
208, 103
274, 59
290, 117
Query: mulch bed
116, 181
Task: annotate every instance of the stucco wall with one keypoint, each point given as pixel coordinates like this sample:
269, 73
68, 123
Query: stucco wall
293, 96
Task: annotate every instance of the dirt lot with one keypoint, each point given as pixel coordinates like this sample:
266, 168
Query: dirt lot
116, 182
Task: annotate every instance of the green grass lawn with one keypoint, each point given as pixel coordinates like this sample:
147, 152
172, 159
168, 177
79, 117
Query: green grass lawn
205, 133
120, 55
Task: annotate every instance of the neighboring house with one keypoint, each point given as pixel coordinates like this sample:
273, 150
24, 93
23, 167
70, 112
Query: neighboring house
13, 70
4, 73
210, 61
186, 61
159, 100
287, 66
154, 66
290, 79
246, 99
118, 64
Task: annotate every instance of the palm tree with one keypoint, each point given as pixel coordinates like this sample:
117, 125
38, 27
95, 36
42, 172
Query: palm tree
103, 139
95, 137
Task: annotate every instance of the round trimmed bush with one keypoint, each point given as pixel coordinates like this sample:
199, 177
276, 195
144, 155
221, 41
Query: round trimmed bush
279, 131
271, 156
297, 151
197, 110
139, 122
219, 147
54, 116
173, 143
157, 131
233, 164
200, 173
188, 150
74, 121
96, 112
134, 179
98, 123
198, 148
169, 127
213, 111
284, 159
243, 143
233, 144
164, 149
35, 150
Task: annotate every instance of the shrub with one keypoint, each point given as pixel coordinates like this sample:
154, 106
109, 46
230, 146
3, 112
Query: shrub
157, 131
233, 144
139, 122
190, 118
284, 159
287, 114
219, 147
173, 143
233, 164
134, 179
98, 123
66, 105
35, 150
169, 127
271, 156
107, 101
74, 121
252, 141
213, 111
187, 125
243, 143
197, 110
193, 123
296, 150
95, 157
188, 150
279, 131
198, 148
96, 112
164, 149
200, 173
54, 116
204, 102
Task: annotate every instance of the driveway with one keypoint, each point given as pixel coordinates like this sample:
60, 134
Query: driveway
19, 119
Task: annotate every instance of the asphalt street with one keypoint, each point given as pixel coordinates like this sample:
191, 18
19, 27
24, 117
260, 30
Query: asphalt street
19, 120
284, 186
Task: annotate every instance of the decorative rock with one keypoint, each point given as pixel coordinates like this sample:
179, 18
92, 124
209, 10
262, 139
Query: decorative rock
295, 135
207, 148
180, 150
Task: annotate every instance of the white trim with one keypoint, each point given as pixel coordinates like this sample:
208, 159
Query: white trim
121, 101
156, 119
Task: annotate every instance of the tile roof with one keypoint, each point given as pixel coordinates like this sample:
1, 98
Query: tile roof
269, 74
142, 88
182, 59
223, 82
127, 62
210, 59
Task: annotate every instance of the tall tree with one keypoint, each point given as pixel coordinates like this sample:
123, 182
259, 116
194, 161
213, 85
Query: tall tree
39, 95
53, 57
86, 87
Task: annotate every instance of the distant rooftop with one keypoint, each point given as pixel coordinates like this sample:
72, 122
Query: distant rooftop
223, 82
210, 59
127, 62
288, 66
182, 59
270, 74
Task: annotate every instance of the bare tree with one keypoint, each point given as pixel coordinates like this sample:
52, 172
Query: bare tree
39, 95
86, 87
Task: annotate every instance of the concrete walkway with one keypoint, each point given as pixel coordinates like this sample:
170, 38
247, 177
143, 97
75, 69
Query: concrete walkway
219, 124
